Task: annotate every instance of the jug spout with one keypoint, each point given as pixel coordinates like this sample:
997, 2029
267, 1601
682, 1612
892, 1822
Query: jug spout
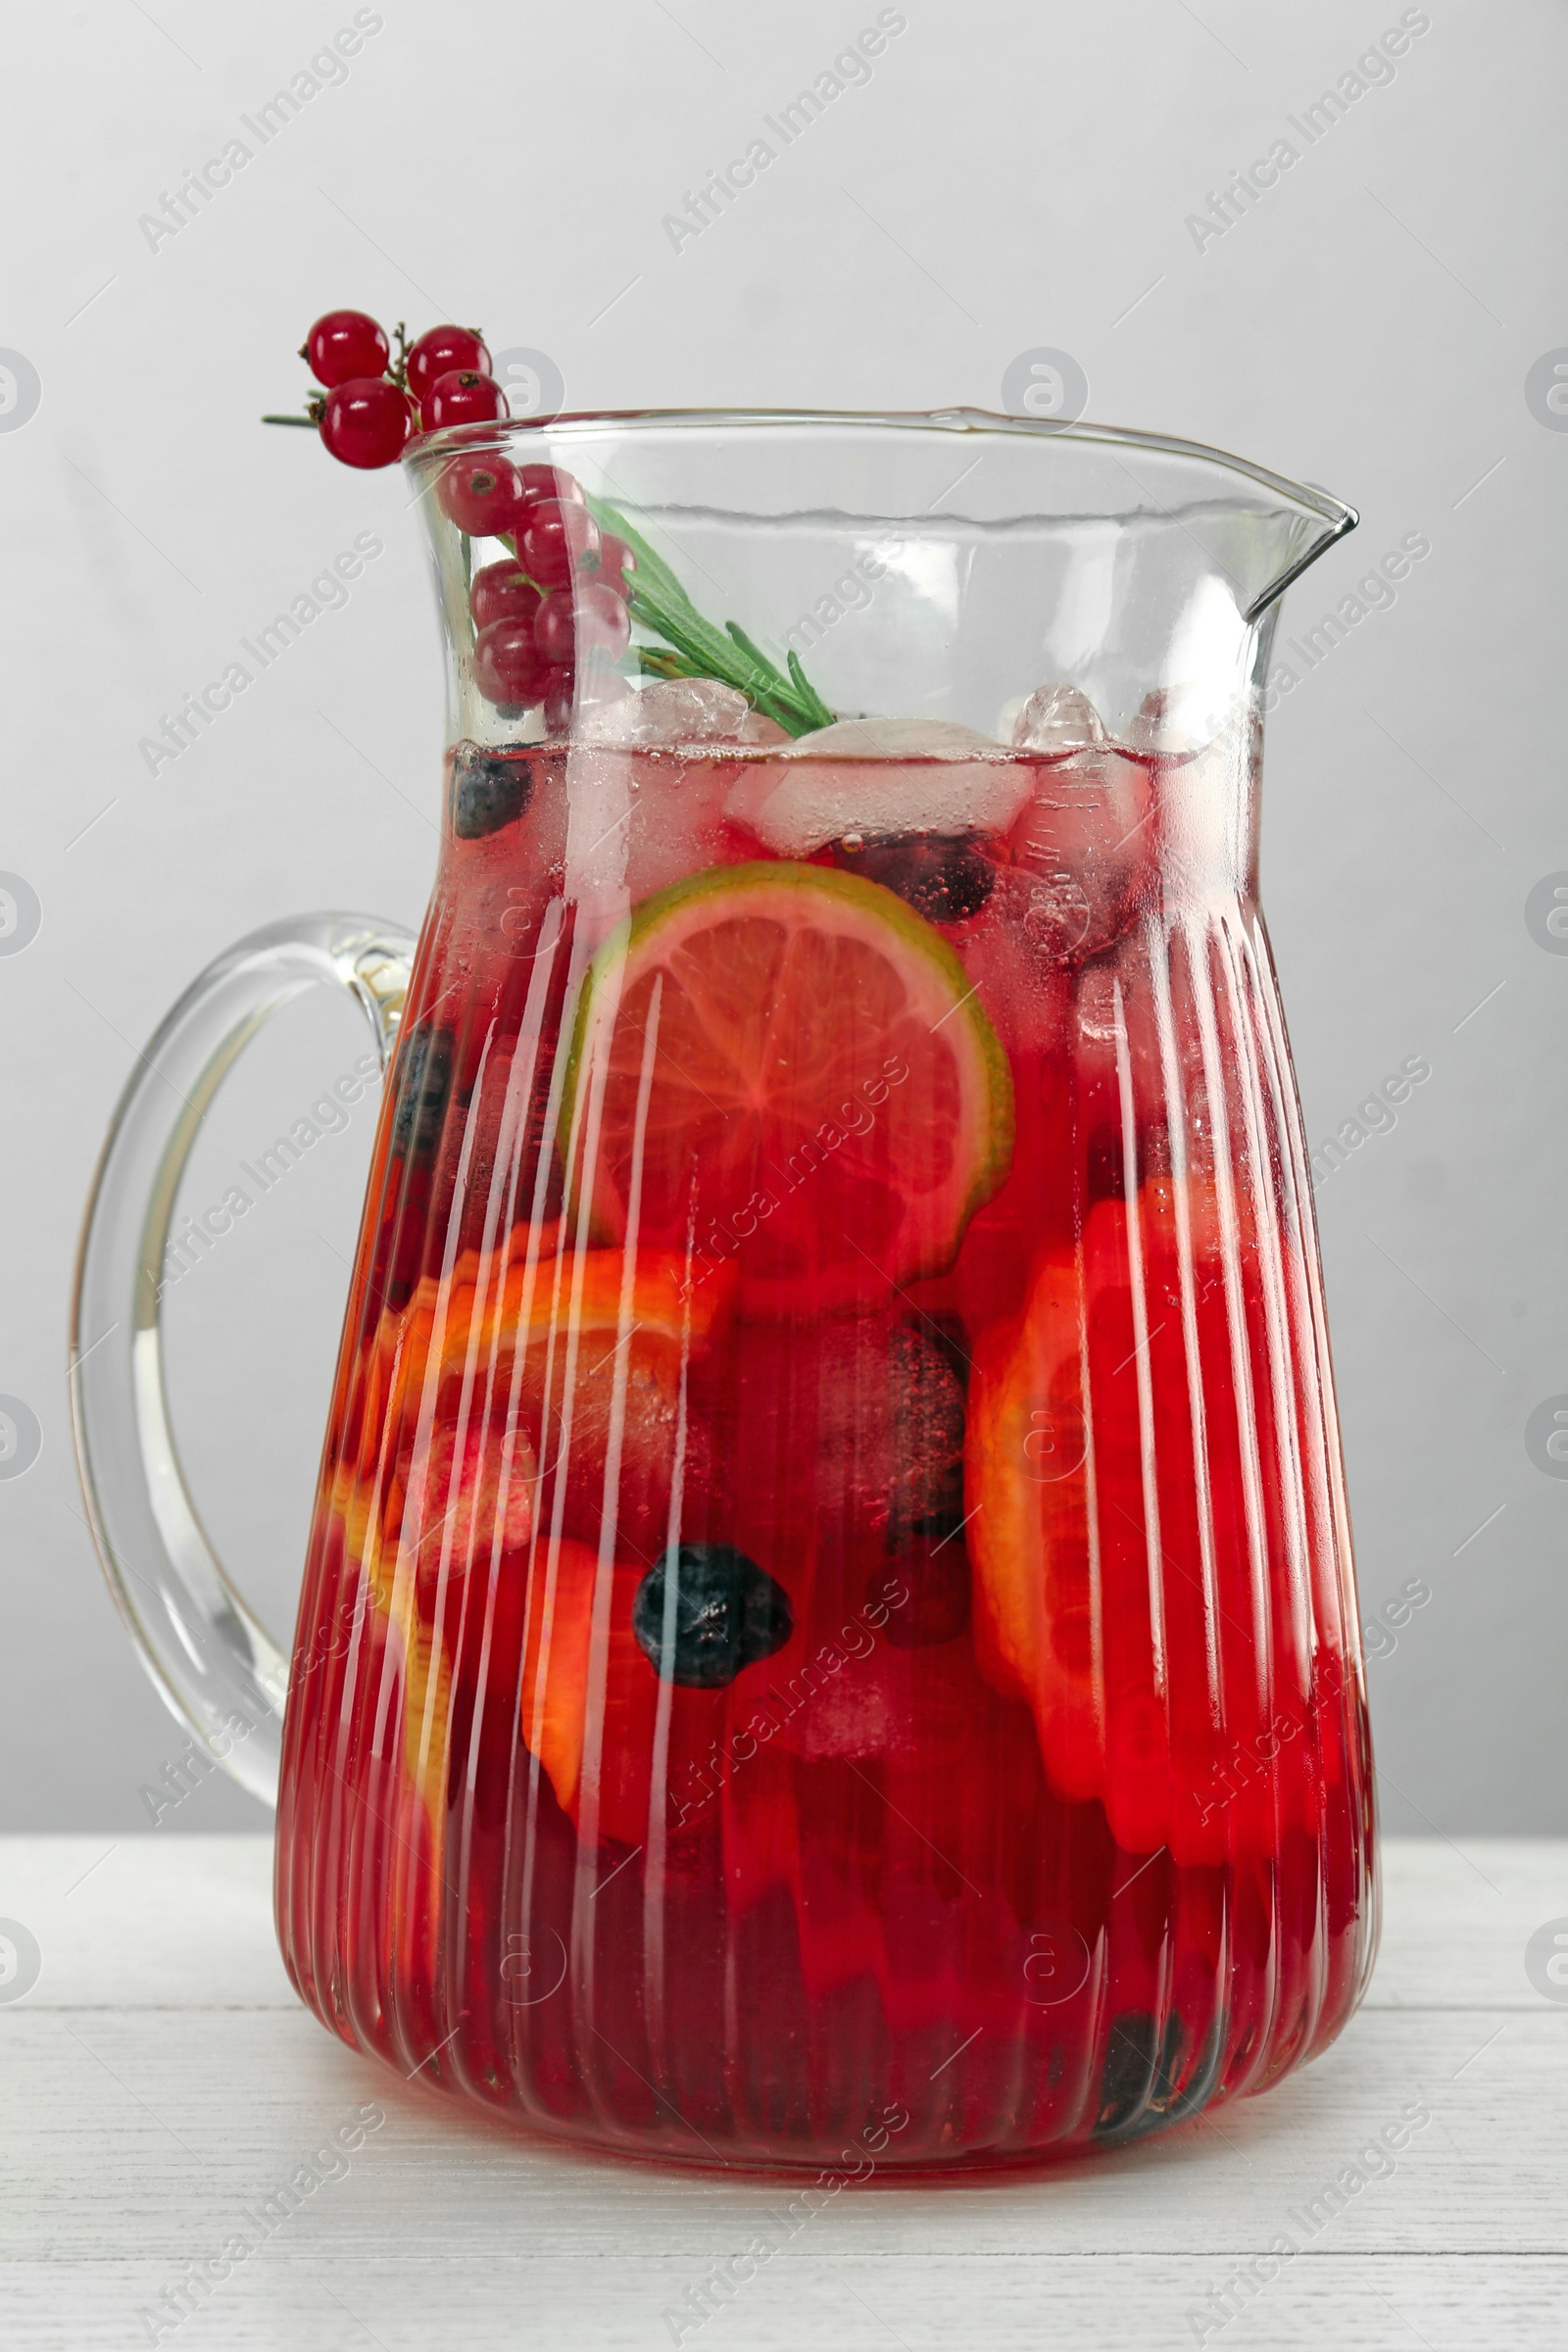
1260, 529
1299, 534
1263, 531
1164, 558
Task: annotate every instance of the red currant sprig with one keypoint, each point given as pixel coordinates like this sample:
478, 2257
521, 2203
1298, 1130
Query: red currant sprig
552, 623
558, 603
372, 405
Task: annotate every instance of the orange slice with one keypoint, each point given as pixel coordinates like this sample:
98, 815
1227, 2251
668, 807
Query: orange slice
1028, 1533
591, 1704
579, 1644
1057, 1549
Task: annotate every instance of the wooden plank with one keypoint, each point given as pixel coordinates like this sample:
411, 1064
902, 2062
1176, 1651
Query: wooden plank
153, 1922
150, 2131
1457, 1915
163, 2085
1158, 2303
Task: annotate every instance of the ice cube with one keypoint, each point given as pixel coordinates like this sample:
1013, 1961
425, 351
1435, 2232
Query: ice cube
894, 739
845, 1440
1019, 955
881, 779
926, 1496
649, 778
675, 822
916, 1708
625, 1407
889, 1443
1057, 721
1175, 722
1087, 846
675, 711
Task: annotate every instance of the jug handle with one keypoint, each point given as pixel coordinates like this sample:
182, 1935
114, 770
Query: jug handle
214, 1663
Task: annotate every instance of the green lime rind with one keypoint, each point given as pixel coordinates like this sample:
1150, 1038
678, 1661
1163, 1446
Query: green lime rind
884, 912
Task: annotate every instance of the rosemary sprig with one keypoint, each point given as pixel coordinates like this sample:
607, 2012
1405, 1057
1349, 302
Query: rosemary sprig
693, 647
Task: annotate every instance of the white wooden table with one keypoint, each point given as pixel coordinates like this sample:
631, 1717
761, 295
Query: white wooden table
160, 2079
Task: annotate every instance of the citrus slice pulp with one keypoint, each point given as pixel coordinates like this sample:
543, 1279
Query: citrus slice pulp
785, 1067
1054, 1559
1028, 1533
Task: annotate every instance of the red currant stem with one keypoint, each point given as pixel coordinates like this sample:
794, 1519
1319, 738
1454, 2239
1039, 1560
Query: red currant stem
309, 420
399, 370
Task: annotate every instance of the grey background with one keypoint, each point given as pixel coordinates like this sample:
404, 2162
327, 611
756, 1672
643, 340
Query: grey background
1012, 177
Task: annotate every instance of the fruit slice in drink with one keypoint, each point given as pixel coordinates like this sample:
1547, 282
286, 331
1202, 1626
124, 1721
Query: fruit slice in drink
580, 1645
485, 1452
1067, 1574
785, 1065
1027, 1489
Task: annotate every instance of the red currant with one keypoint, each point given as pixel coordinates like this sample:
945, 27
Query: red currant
557, 534
560, 685
366, 421
343, 344
507, 665
549, 481
572, 622
463, 397
439, 351
483, 496
501, 592
615, 560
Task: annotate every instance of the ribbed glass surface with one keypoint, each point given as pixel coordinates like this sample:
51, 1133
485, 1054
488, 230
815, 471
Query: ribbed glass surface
1038, 1812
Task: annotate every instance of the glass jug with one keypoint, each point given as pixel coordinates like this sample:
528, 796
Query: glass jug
829, 1621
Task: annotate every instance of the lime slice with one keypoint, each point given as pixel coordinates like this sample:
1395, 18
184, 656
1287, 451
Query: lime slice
783, 1067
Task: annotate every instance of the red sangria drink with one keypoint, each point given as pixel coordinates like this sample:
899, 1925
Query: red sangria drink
828, 1599
828, 1635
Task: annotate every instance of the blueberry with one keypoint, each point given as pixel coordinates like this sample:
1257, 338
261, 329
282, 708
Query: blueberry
489, 790
1139, 2072
423, 1083
946, 877
1138, 2086
727, 1613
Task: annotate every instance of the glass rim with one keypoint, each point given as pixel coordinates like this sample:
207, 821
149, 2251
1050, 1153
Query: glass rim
426, 450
